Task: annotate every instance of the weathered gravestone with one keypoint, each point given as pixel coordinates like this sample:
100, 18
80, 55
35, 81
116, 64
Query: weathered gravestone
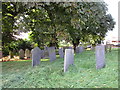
61, 53
42, 53
68, 58
100, 56
27, 53
36, 56
69, 47
0, 54
11, 54
52, 53
79, 49
46, 54
21, 54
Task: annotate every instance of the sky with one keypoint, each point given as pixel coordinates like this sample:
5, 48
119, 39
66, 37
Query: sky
112, 9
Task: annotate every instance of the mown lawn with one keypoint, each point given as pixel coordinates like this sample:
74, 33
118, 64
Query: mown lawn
83, 74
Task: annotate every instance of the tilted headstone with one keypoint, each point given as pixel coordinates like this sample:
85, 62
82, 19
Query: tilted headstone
36, 56
27, 53
68, 58
100, 56
21, 54
52, 53
61, 53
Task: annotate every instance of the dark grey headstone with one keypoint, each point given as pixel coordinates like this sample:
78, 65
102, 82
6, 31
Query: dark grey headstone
36, 56
100, 56
52, 53
61, 53
21, 54
68, 58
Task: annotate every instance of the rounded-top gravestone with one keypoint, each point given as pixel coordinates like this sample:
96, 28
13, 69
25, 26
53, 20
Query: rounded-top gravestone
21, 54
27, 53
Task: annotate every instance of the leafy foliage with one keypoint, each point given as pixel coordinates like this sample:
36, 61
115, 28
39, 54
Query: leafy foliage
50, 21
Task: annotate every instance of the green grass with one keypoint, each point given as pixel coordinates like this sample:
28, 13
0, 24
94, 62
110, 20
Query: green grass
83, 74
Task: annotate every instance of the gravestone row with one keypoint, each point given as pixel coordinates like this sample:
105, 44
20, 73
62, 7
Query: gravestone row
37, 54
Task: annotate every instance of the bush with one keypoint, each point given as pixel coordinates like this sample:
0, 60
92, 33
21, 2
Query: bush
15, 46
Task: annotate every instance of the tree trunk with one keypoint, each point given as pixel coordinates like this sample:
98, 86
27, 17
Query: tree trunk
75, 44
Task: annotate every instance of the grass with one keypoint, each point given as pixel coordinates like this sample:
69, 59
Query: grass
83, 74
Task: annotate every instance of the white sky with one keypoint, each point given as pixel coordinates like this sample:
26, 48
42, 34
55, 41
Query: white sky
112, 9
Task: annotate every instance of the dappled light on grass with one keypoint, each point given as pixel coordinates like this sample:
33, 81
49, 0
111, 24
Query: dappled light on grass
45, 59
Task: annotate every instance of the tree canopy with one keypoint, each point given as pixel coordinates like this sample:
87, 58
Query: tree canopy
52, 22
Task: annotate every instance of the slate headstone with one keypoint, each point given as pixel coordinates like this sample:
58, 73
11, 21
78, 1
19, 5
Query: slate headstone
68, 58
100, 56
61, 53
27, 53
52, 53
36, 56
21, 54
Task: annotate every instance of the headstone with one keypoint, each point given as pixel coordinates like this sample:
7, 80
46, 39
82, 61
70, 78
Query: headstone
21, 54
68, 58
93, 48
11, 54
100, 56
46, 54
0, 54
61, 53
36, 56
52, 54
45, 48
27, 53
69, 47
79, 49
42, 53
